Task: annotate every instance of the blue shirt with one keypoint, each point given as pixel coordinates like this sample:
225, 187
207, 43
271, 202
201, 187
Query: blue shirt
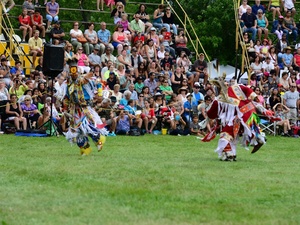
104, 35
255, 8
196, 98
287, 58
14, 71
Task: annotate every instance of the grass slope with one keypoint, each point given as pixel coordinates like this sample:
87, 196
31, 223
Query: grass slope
147, 180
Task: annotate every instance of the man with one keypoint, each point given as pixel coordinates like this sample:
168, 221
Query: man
60, 87
37, 23
250, 23
35, 46
257, 6
137, 25
11, 5
136, 58
151, 83
291, 100
125, 81
107, 56
57, 33
196, 97
200, 69
17, 70
104, 38
134, 95
94, 58
267, 66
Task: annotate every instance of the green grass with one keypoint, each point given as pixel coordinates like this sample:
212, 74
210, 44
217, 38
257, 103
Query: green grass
147, 180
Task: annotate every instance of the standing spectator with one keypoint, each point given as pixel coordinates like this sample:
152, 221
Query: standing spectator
168, 21
144, 17
289, 26
37, 23
200, 69
57, 33
104, 38
288, 5
157, 17
76, 33
262, 25
92, 37
250, 23
52, 10
291, 100
274, 7
257, 6
35, 46
25, 27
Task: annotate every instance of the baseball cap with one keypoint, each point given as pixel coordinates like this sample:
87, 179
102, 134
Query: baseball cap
197, 84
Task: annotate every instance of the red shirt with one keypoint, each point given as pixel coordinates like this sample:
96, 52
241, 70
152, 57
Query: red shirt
297, 58
24, 20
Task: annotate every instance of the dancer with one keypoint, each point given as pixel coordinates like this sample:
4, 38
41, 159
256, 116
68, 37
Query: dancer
236, 109
84, 119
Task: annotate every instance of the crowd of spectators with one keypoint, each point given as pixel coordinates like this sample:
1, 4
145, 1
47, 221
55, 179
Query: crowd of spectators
143, 75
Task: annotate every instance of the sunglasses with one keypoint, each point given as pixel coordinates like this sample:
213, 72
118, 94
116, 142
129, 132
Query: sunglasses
293, 86
27, 100
141, 96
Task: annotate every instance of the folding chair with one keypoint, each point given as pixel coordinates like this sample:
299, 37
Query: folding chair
267, 126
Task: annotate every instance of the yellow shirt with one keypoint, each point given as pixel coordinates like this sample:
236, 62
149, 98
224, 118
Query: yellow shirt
35, 43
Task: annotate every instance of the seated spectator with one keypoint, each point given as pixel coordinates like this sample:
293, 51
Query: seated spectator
122, 58
141, 71
30, 111
18, 87
149, 117
243, 8
57, 33
83, 61
296, 65
112, 80
27, 4
144, 17
178, 126
126, 80
119, 38
157, 17
138, 86
188, 111
107, 115
165, 39
150, 51
168, 21
256, 67
94, 58
277, 27
7, 9
104, 38
137, 25
274, 7
260, 98
262, 24
109, 3
287, 59
5, 72
289, 26
274, 98
37, 23
44, 123
116, 13
289, 6
202, 109
161, 52
35, 47
257, 6
116, 93
250, 23
153, 35
154, 67
123, 122
195, 128
197, 97
76, 34
24, 21
108, 57
146, 92
292, 78
200, 69
69, 54
52, 11
135, 58
280, 112
110, 69
184, 62
280, 48
181, 43
151, 83
273, 59
92, 38
121, 70
13, 112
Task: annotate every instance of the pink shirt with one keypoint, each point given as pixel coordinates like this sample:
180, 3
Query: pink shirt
80, 61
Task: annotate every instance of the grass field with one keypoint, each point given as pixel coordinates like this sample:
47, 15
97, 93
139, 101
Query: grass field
147, 180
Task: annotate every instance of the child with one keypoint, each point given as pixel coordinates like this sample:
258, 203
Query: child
195, 127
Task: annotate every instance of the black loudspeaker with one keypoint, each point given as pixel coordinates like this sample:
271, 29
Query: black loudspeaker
53, 61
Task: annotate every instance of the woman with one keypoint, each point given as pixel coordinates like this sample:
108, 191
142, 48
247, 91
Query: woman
243, 8
18, 87
165, 39
182, 93
168, 21
166, 90
184, 84
122, 58
126, 26
29, 6
82, 61
119, 38
161, 52
181, 43
4, 98
289, 26
149, 118
76, 33
281, 112
36, 97
69, 54
260, 98
184, 62
153, 35
146, 92
157, 17
274, 98
30, 111
42, 88
176, 79
262, 24
140, 102
14, 112
116, 13
281, 46
284, 81
292, 79
273, 57
154, 67
141, 71
256, 66
44, 122
24, 21
91, 36
150, 51
37, 23
121, 70
296, 65
144, 17
274, 7
116, 92
52, 10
